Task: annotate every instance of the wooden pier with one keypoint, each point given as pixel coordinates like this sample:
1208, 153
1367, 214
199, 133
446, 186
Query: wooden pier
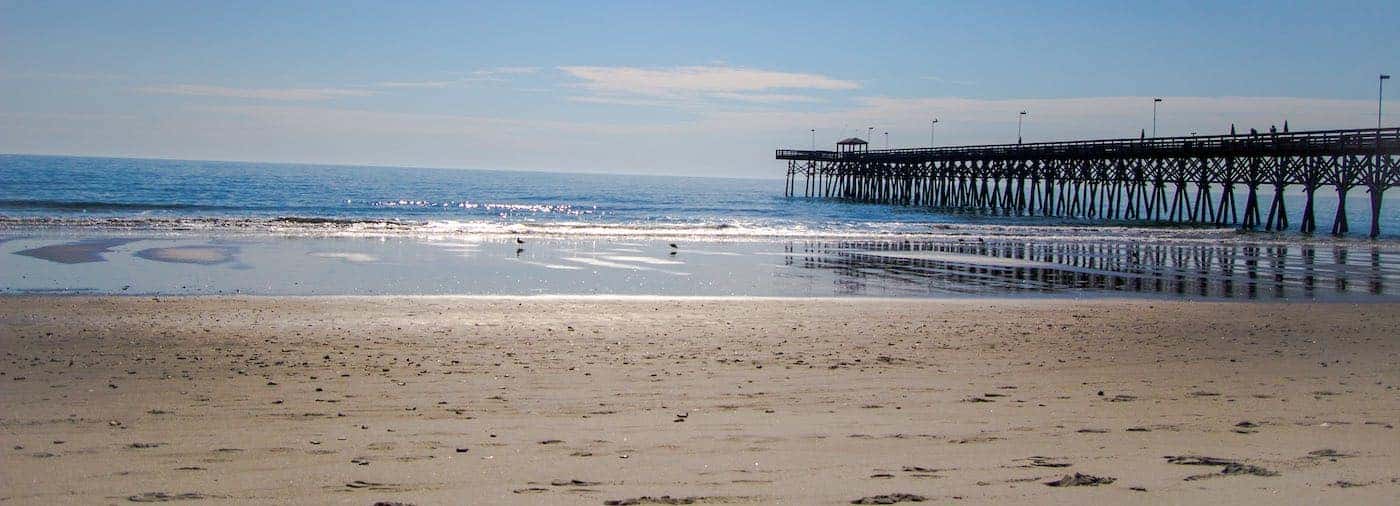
1169, 179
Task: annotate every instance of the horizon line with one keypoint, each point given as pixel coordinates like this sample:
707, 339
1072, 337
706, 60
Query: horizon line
374, 166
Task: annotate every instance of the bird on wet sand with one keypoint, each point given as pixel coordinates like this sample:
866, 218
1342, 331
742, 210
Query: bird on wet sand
519, 240
674, 248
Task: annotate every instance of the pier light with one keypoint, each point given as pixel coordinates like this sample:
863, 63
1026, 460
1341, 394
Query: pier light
1019, 117
931, 126
1380, 96
814, 139
1155, 101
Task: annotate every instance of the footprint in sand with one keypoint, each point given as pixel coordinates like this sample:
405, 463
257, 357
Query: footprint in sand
889, 499
1080, 480
1328, 453
1039, 461
164, 497
370, 485
573, 483
665, 499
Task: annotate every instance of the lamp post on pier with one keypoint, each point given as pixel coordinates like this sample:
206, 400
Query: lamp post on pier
870, 134
1155, 101
1019, 117
931, 126
1380, 96
814, 139
887, 140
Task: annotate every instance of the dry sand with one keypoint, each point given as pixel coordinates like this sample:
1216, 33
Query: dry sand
583, 401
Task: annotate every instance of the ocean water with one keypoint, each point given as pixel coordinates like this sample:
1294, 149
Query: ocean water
152, 227
293, 198
113, 191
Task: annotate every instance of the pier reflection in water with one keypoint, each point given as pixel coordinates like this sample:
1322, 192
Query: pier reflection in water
969, 266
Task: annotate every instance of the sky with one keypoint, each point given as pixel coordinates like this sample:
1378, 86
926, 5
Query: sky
683, 88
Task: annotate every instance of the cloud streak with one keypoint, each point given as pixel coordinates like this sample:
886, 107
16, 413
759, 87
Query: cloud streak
506, 71
681, 86
955, 82
414, 84
339, 120
495, 74
278, 94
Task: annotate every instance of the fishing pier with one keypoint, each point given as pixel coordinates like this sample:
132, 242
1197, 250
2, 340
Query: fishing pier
1194, 180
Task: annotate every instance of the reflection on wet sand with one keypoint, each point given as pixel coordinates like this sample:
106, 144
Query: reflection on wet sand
993, 266
1199, 270
77, 252
345, 256
201, 255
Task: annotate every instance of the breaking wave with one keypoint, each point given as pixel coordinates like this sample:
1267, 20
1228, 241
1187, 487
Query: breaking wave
715, 231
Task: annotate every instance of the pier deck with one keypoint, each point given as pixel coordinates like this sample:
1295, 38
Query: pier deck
1170, 179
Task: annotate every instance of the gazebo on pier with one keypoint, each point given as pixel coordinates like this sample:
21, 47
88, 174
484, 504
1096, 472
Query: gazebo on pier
852, 145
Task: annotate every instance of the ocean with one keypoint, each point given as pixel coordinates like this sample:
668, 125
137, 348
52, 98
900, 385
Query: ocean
116, 225
296, 197
97, 191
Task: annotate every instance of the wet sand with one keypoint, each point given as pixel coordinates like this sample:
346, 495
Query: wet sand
76, 252
202, 255
204, 263
353, 400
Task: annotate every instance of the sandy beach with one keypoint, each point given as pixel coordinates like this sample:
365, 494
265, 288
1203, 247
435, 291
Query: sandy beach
445, 400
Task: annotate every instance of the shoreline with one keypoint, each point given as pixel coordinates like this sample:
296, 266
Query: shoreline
201, 263
578, 400
1067, 298
446, 228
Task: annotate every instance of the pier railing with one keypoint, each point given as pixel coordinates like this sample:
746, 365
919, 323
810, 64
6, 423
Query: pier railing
1117, 179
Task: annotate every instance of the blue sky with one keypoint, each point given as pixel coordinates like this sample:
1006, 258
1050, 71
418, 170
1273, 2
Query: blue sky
697, 88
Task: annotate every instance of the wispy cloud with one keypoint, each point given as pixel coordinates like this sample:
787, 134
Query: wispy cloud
324, 119
506, 71
673, 80
766, 98
944, 80
688, 85
616, 100
414, 84
60, 76
494, 74
497, 74
279, 94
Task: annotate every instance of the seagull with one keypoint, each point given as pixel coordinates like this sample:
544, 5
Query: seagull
673, 246
519, 240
